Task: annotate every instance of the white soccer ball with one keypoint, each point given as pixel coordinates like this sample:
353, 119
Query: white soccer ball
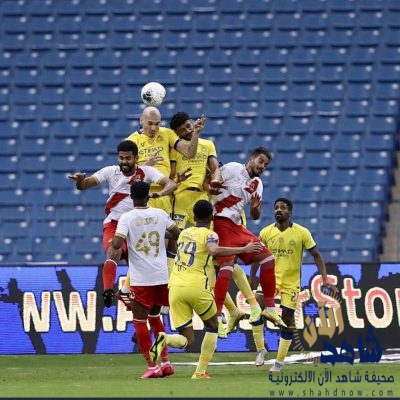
153, 94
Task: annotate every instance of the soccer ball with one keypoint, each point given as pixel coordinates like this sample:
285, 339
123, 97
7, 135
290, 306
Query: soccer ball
153, 94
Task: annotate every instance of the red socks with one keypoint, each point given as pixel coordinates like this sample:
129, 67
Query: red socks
157, 326
267, 282
143, 339
109, 274
221, 286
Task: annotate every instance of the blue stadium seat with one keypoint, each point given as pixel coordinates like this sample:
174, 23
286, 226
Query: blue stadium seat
383, 142
359, 73
124, 41
349, 255
204, 24
26, 77
358, 91
8, 146
33, 147
386, 73
359, 241
374, 176
273, 109
273, 74
300, 108
332, 56
311, 40
52, 112
316, 143
318, 159
9, 181
344, 176
388, 55
254, 39
287, 22
347, 160
366, 210
382, 159
201, 40
23, 95
266, 126
356, 108
83, 94
313, 177
287, 143
280, 39
337, 193
370, 193
57, 181
361, 56
285, 177
328, 242
334, 209
173, 40
345, 142
304, 58
330, 91
386, 91
386, 108
235, 21
231, 7
313, 22
296, 125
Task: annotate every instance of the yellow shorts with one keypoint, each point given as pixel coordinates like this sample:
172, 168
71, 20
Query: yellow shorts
287, 297
183, 203
163, 202
184, 300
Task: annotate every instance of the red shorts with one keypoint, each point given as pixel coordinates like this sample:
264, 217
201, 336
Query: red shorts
108, 233
232, 235
150, 296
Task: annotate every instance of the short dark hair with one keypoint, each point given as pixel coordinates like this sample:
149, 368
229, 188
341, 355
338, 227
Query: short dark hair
178, 119
203, 210
140, 190
261, 150
286, 201
128, 145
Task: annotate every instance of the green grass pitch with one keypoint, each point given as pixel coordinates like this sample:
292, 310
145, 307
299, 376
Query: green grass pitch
233, 376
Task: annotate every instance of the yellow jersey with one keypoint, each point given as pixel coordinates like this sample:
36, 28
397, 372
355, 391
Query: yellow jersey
287, 248
198, 163
163, 142
193, 263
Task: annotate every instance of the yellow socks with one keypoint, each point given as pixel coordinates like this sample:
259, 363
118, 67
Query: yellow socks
242, 283
283, 349
176, 341
258, 336
207, 351
229, 303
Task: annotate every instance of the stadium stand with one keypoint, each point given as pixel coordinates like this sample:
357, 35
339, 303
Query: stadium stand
316, 82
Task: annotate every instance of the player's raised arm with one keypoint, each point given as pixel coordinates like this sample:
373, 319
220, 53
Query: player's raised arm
83, 183
215, 250
189, 149
168, 186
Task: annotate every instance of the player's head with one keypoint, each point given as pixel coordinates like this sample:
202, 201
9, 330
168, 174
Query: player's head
150, 120
283, 209
183, 126
140, 193
258, 162
127, 156
203, 211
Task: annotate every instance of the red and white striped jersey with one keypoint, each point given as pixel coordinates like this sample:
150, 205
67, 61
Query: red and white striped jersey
119, 187
240, 188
